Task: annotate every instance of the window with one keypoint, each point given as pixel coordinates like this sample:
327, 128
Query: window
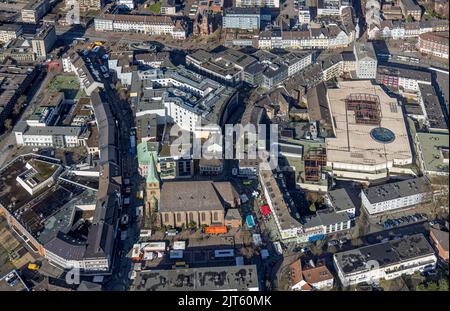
166, 218
216, 217
191, 217
203, 217
178, 217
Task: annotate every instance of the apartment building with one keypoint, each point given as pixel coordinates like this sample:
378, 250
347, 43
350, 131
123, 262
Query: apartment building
386, 260
328, 37
399, 29
435, 43
411, 8
86, 5
148, 24
43, 42
309, 278
34, 11
366, 60
304, 13
9, 32
395, 196
257, 3
281, 204
14, 81
328, 7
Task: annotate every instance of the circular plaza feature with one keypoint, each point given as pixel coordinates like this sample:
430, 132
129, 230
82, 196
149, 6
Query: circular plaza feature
382, 135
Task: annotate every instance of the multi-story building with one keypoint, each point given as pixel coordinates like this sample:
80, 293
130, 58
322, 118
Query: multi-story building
34, 11
366, 121
49, 136
399, 29
329, 37
257, 3
366, 60
410, 8
122, 64
14, 82
226, 66
433, 153
127, 3
386, 260
328, 7
341, 201
435, 119
92, 251
402, 79
43, 41
310, 278
9, 32
184, 97
440, 242
148, 24
434, 43
88, 76
395, 196
86, 5
304, 12
281, 204
226, 278
242, 18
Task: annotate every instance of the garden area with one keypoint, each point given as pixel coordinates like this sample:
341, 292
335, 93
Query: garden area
155, 7
67, 84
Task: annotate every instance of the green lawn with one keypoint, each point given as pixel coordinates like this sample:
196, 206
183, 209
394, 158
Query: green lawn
67, 84
155, 7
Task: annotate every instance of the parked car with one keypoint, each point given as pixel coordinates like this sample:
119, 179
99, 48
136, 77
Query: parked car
333, 243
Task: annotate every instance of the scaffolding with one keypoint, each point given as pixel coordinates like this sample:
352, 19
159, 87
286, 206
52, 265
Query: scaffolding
314, 161
366, 107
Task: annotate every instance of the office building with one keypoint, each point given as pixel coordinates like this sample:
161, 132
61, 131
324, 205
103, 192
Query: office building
34, 11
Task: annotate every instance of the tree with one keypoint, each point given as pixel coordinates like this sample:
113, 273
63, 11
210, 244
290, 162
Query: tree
409, 19
441, 285
312, 207
8, 124
19, 104
192, 225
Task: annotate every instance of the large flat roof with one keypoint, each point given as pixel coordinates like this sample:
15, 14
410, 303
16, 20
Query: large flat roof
198, 279
353, 143
395, 190
434, 149
385, 253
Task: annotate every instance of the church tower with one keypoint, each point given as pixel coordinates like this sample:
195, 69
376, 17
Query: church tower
153, 187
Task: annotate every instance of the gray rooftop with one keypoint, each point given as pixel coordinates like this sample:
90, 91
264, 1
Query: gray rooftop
401, 189
386, 253
198, 279
341, 200
195, 195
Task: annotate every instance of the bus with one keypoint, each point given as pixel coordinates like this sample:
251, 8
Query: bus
224, 253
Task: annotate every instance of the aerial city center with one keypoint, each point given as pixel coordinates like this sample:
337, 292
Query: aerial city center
224, 145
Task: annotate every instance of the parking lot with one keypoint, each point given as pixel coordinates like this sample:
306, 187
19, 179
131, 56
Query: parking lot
403, 220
